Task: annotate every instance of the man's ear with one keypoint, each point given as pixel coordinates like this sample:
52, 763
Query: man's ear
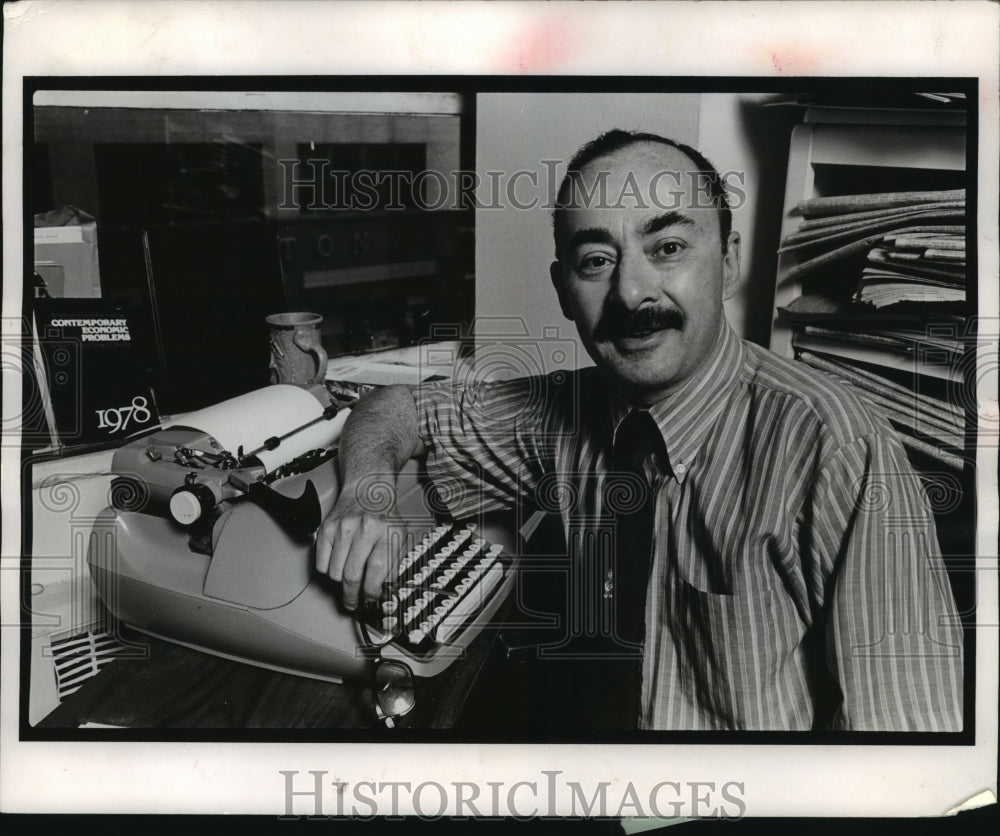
731, 266
555, 273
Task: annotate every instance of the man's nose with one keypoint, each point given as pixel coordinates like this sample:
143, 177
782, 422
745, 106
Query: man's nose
635, 281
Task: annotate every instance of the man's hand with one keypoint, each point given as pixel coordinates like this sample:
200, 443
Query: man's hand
353, 547
353, 543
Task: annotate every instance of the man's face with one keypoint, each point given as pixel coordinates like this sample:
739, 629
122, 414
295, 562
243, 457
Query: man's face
643, 272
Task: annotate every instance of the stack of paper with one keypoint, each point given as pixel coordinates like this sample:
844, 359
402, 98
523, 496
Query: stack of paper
928, 425
884, 307
836, 228
912, 266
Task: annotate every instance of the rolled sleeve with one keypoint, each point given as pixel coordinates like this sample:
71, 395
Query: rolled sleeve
481, 442
894, 639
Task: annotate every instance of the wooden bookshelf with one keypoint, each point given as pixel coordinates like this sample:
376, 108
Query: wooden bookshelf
928, 396
928, 151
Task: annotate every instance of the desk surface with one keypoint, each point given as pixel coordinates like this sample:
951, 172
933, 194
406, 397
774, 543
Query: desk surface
175, 687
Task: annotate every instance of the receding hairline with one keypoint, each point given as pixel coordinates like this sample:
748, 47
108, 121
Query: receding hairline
653, 144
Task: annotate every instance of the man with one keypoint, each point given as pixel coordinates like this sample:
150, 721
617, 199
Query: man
776, 566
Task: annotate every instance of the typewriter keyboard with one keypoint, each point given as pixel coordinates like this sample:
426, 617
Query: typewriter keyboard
442, 584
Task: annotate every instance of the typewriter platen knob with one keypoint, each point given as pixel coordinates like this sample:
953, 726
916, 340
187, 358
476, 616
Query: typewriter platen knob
191, 503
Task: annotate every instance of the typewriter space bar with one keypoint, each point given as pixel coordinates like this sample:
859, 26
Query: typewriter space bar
474, 599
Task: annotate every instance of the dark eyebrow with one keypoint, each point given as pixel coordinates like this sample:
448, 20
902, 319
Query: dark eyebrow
591, 235
654, 225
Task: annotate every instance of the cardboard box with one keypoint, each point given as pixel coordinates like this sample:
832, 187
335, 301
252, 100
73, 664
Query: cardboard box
67, 238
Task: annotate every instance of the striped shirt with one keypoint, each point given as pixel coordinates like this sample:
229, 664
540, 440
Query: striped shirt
796, 580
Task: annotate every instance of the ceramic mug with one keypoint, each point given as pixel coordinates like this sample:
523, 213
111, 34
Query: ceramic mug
297, 354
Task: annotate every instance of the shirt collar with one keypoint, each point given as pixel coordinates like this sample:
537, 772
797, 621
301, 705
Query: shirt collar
686, 416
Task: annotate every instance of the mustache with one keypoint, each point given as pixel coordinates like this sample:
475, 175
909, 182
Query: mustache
617, 322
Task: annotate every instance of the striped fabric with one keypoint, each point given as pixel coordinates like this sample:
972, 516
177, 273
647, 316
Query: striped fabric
796, 580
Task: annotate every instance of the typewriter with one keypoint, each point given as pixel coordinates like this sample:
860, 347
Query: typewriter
209, 542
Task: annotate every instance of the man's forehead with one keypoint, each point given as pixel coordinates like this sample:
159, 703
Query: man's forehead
644, 176
642, 154
640, 157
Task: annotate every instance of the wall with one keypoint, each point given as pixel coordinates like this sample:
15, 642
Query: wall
739, 135
519, 132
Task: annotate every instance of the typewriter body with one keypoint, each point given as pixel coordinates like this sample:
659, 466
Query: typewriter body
210, 542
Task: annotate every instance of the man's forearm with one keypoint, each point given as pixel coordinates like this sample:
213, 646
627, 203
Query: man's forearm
380, 435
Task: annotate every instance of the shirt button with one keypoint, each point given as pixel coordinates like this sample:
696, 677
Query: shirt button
680, 469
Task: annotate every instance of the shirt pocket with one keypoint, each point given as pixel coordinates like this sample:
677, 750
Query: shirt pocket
724, 646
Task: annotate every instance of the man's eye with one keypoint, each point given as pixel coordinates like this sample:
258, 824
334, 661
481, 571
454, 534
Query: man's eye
669, 248
593, 263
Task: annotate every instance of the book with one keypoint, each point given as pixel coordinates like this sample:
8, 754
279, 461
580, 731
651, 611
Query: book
96, 370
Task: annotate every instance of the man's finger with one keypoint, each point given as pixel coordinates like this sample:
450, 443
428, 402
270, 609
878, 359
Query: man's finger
343, 537
380, 565
325, 538
354, 567
369, 541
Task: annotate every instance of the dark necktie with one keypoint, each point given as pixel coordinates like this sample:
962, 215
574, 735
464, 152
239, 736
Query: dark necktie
636, 440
